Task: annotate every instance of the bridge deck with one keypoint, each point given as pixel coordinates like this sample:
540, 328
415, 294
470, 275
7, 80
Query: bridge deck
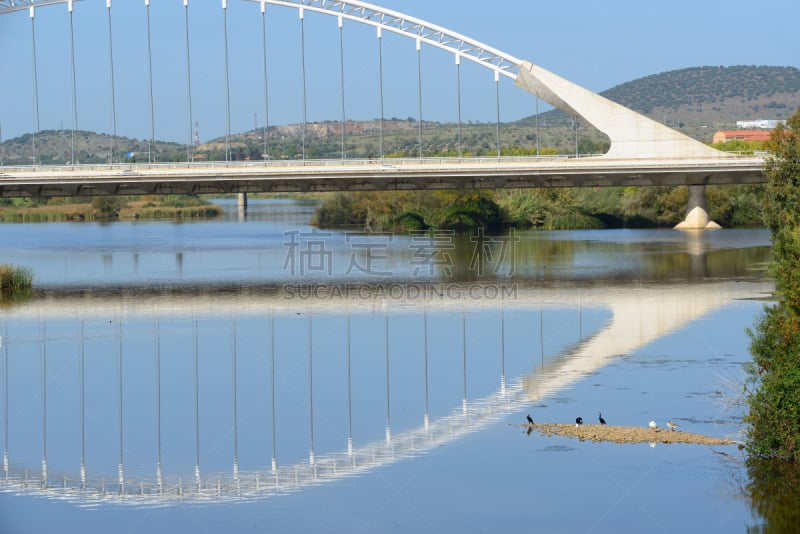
371, 175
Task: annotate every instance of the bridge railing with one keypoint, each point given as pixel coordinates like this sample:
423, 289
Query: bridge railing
378, 163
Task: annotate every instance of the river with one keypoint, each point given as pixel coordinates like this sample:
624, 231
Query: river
254, 373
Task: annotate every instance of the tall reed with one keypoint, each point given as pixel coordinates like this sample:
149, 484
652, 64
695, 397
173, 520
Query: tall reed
14, 279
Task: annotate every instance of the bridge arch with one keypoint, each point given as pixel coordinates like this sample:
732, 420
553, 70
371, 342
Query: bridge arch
410, 27
632, 135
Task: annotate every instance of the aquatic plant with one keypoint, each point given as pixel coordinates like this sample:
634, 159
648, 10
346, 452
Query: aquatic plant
15, 284
14, 278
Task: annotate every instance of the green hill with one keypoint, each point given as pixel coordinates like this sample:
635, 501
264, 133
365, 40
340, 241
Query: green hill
701, 100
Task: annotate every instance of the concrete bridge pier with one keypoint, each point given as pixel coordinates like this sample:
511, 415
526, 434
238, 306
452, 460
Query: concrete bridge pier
696, 214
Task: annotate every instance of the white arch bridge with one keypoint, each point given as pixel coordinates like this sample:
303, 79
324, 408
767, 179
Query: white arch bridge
642, 151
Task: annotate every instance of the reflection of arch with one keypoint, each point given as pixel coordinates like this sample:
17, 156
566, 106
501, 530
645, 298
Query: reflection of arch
638, 319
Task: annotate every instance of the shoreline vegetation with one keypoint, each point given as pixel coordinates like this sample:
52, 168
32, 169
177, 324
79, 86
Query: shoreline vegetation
773, 387
60, 209
545, 209
16, 284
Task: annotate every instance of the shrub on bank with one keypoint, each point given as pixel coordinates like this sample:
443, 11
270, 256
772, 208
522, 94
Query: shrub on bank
774, 374
14, 279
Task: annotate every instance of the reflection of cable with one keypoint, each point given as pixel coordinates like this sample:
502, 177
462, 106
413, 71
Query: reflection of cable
44, 400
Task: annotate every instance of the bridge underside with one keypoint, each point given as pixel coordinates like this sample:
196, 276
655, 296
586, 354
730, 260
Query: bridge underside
383, 179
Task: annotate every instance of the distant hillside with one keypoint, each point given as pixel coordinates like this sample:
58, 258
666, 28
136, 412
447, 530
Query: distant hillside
55, 147
705, 98
696, 101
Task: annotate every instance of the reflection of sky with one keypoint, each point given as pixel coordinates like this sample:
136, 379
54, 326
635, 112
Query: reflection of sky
499, 478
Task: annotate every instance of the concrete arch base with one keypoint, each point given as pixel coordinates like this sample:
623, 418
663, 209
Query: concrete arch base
696, 216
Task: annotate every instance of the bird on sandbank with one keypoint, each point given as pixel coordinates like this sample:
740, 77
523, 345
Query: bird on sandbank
600, 416
653, 426
530, 419
672, 426
578, 421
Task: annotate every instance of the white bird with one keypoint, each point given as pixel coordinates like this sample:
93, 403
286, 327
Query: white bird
672, 426
653, 425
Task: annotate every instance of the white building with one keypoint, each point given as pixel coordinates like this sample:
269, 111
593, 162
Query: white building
760, 123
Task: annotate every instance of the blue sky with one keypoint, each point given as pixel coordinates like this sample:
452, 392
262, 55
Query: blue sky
595, 44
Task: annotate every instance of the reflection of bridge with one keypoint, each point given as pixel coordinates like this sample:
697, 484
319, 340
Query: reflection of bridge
642, 151
640, 315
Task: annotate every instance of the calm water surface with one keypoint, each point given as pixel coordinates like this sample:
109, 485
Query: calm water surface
252, 373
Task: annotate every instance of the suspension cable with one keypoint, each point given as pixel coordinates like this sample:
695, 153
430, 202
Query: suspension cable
74, 83
537, 126
35, 87
227, 85
380, 84
575, 126
303, 68
341, 77
150, 146
458, 76
113, 95
419, 95
497, 100
188, 84
266, 80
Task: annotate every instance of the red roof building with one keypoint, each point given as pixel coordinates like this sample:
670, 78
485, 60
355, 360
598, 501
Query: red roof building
743, 135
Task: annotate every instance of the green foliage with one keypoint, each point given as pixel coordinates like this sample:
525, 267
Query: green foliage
774, 378
774, 375
549, 209
739, 145
782, 208
15, 283
471, 211
183, 201
338, 211
107, 207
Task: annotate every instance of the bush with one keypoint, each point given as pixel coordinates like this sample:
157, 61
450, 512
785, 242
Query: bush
14, 279
774, 374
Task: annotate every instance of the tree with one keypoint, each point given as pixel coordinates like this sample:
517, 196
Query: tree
774, 399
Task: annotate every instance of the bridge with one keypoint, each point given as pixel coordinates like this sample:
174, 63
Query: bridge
642, 151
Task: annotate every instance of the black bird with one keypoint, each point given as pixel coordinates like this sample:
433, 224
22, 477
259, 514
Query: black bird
530, 420
578, 421
600, 416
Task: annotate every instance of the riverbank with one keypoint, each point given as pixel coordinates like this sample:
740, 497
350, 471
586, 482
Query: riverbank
624, 434
109, 209
546, 209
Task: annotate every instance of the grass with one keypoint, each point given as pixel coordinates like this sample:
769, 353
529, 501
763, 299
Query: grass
15, 284
109, 208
